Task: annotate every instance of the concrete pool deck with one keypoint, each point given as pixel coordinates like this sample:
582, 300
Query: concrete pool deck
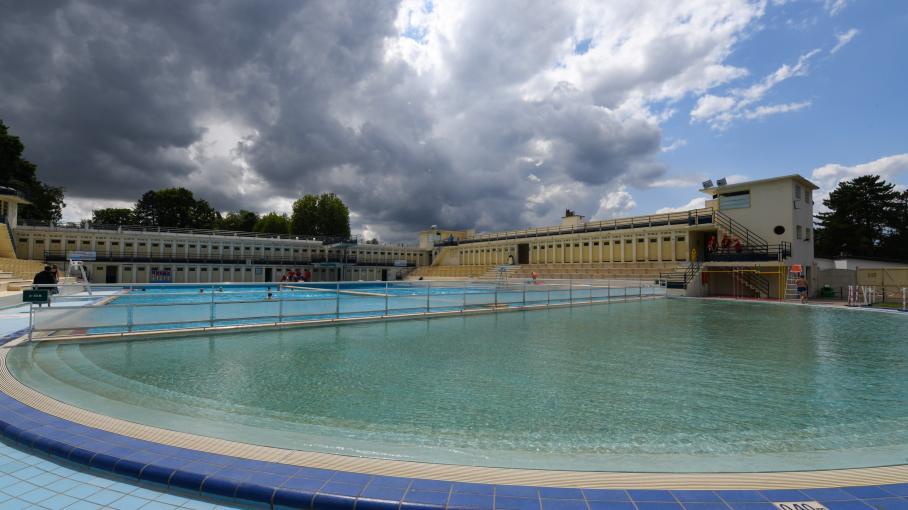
247, 474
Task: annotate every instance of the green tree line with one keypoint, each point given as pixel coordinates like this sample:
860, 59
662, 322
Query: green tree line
313, 215
20, 174
866, 217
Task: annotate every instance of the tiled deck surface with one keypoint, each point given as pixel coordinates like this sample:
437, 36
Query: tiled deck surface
28, 481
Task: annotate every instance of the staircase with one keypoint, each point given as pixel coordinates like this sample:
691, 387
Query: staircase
752, 282
681, 276
752, 248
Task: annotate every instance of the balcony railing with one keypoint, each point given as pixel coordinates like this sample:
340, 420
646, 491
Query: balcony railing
757, 253
61, 256
692, 217
352, 239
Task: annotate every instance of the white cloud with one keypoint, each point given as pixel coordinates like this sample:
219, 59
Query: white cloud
834, 7
685, 181
695, 203
674, 145
763, 111
720, 111
80, 208
843, 39
615, 203
828, 176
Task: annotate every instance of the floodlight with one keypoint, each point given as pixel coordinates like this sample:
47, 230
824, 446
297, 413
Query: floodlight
708, 183
721, 182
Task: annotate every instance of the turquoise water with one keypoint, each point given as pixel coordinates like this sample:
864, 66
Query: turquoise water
655, 385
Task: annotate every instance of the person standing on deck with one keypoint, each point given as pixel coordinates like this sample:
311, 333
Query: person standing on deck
801, 283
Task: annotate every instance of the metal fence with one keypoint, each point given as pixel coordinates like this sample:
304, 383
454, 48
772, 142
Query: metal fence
151, 307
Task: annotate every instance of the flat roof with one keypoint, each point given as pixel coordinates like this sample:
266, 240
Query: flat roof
795, 177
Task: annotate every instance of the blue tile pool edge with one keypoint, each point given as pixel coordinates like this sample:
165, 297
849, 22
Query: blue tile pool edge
273, 485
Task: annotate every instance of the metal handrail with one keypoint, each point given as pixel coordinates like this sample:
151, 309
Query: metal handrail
484, 296
739, 230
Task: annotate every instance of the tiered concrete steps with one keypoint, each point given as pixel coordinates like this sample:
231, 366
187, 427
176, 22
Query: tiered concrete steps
16, 274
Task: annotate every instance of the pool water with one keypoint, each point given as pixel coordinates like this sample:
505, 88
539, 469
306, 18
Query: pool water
655, 385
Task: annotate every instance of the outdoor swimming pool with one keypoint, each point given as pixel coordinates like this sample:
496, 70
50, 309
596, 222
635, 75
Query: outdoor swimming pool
653, 385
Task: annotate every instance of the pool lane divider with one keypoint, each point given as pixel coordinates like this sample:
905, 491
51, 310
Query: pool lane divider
336, 291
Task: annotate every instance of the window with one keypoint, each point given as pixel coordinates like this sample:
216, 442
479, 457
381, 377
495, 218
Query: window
809, 196
653, 240
798, 232
666, 239
798, 191
779, 230
807, 234
734, 200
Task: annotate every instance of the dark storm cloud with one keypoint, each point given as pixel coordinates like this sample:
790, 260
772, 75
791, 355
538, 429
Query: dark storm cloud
115, 98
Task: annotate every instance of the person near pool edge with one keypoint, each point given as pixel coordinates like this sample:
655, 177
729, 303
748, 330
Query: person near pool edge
45, 277
801, 283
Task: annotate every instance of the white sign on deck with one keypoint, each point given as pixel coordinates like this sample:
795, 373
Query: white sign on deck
800, 505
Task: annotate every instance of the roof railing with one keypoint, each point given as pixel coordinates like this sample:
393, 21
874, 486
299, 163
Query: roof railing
352, 239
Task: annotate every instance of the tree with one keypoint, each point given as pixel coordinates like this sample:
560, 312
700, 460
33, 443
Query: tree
304, 220
174, 207
862, 220
272, 223
112, 216
334, 216
896, 244
18, 173
242, 221
324, 215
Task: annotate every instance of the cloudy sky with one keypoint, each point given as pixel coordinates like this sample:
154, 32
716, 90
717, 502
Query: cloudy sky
459, 113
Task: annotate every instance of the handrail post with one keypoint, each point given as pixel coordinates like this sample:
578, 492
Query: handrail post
280, 305
129, 318
386, 298
524, 294
428, 294
211, 311
337, 300
571, 290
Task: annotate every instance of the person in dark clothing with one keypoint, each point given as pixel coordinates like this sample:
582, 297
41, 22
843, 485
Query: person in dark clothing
45, 277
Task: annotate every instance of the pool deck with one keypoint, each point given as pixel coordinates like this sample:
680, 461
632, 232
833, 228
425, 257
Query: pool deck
230, 473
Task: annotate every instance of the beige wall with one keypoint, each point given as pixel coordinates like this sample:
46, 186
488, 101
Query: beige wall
650, 244
773, 204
